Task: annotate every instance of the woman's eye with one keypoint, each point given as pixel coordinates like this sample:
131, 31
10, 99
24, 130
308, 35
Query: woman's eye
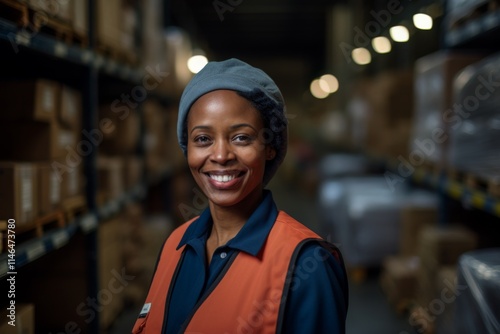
202, 139
242, 138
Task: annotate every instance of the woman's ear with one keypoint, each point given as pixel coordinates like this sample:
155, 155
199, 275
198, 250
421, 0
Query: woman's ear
270, 153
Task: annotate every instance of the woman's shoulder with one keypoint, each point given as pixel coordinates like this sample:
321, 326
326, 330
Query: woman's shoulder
288, 224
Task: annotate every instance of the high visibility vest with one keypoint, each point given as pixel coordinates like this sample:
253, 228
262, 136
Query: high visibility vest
251, 293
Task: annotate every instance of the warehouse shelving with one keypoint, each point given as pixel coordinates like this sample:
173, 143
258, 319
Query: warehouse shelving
26, 54
474, 31
470, 197
51, 47
31, 250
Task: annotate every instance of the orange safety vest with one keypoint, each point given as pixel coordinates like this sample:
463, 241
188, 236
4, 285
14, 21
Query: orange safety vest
251, 295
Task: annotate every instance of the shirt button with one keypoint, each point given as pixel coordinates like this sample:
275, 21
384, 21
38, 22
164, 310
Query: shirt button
223, 255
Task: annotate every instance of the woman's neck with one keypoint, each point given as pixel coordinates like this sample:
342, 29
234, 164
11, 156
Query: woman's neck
228, 221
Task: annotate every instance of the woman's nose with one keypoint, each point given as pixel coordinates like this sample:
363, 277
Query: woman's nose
222, 152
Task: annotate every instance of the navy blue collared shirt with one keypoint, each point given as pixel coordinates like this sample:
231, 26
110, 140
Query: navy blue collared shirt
317, 301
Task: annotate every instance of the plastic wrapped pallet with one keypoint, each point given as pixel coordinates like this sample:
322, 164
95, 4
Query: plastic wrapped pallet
342, 164
476, 130
462, 11
479, 300
434, 76
363, 215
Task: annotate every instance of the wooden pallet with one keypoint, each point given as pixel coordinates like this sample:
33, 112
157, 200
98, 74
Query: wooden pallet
116, 54
73, 207
80, 39
491, 186
40, 225
16, 12
52, 26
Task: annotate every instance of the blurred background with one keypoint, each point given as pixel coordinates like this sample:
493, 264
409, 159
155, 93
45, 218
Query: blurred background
394, 154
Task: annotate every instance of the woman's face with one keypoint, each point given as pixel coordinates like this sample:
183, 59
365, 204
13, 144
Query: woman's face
225, 150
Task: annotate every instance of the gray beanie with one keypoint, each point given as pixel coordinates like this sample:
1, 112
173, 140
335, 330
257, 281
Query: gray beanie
251, 83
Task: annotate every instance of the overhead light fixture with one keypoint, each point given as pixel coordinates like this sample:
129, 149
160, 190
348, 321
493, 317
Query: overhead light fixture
317, 91
361, 56
196, 63
422, 21
381, 44
329, 83
399, 34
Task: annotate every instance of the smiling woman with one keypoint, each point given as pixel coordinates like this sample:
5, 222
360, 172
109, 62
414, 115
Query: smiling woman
242, 266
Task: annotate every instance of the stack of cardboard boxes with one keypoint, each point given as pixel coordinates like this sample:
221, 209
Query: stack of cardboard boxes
422, 278
39, 140
388, 123
116, 27
435, 112
118, 164
399, 273
159, 139
71, 12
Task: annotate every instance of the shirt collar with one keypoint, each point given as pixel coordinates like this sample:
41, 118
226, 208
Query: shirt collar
252, 235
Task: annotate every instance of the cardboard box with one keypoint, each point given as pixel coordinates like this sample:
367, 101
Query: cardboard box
413, 221
34, 100
438, 247
399, 279
390, 109
35, 141
80, 17
61, 9
49, 188
70, 112
70, 176
24, 321
110, 172
124, 133
109, 23
18, 192
443, 246
133, 171
447, 292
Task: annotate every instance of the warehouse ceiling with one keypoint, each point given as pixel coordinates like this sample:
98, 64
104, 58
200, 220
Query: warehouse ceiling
261, 31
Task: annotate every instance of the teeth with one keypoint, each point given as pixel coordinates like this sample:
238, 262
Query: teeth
222, 178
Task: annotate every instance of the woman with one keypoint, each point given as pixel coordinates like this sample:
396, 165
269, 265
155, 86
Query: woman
242, 266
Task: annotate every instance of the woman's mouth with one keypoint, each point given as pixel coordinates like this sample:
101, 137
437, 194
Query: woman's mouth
224, 180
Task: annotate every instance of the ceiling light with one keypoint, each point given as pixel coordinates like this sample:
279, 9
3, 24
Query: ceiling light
361, 56
317, 91
422, 21
399, 34
381, 44
196, 63
329, 83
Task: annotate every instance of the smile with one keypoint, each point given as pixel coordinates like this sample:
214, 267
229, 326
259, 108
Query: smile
223, 178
